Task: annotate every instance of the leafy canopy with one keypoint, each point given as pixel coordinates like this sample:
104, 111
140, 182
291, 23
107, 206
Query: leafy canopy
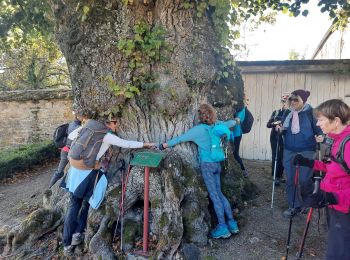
29, 57
19, 19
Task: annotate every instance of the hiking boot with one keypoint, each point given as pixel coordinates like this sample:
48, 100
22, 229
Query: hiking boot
221, 231
77, 239
291, 212
245, 173
232, 226
68, 251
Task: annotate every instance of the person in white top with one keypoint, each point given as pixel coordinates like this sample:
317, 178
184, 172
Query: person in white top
82, 174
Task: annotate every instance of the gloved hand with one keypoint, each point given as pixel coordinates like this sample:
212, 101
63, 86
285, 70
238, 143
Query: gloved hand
303, 161
320, 199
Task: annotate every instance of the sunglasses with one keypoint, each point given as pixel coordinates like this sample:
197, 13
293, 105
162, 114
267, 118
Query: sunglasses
113, 121
293, 99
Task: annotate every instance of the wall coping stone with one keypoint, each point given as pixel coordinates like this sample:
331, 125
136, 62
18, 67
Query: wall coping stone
35, 95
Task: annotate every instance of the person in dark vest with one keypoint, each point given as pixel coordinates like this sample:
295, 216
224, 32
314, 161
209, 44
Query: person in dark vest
333, 116
275, 120
91, 142
58, 174
300, 134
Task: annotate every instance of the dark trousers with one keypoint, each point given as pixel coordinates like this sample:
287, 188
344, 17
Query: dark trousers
76, 217
236, 143
338, 247
279, 165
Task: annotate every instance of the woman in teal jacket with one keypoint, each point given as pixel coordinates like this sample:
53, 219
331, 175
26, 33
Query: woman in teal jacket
237, 137
210, 168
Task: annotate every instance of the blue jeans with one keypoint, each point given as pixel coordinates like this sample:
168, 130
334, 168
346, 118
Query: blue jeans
211, 175
305, 177
75, 222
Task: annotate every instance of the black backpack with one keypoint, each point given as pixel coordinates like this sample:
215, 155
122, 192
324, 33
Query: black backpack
339, 156
60, 135
248, 121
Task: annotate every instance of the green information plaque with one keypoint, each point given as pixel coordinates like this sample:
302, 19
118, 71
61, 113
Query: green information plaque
150, 159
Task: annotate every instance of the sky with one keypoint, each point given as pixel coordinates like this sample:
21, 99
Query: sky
301, 34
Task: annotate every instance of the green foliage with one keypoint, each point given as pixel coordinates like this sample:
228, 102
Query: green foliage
24, 157
146, 47
128, 90
37, 63
21, 19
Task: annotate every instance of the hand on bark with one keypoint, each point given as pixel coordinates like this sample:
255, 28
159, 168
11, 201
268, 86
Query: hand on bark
303, 161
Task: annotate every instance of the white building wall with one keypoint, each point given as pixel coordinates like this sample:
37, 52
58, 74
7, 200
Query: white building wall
264, 90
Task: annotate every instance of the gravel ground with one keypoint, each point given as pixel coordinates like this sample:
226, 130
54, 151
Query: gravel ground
23, 193
263, 231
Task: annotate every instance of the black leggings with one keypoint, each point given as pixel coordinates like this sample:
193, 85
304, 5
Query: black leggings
236, 143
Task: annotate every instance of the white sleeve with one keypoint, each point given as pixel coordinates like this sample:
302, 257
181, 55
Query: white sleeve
111, 139
74, 134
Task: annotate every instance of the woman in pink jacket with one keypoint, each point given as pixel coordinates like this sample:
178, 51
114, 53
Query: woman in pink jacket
333, 117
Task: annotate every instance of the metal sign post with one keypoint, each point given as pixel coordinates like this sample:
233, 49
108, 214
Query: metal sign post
147, 160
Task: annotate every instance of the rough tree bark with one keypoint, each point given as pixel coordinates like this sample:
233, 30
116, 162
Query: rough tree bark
179, 202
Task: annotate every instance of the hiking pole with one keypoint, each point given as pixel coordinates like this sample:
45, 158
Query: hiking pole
274, 170
309, 214
296, 177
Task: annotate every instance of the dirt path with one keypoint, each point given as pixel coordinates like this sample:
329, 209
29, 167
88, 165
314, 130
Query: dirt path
263, 232
23, 193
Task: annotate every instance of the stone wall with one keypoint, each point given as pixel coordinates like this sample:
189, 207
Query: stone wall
32, 116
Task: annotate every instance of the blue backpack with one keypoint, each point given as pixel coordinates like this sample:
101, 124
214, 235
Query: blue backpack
218, 133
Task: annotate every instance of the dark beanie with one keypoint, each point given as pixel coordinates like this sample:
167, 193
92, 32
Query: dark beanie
304, 94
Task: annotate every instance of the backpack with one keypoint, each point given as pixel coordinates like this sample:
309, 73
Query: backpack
60, 135
248, 121
339, 156
88, 142
218, 133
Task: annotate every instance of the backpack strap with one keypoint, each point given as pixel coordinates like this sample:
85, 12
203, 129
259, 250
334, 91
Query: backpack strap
339, 156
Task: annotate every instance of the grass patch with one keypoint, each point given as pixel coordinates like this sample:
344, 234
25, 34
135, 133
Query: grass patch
24, 157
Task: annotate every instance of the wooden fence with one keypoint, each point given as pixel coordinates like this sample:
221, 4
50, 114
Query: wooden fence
266, 81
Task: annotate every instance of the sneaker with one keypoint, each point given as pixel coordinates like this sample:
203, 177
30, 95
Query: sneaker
77, 238
232, 226
221, 231
68, 251
291, 212
245, 173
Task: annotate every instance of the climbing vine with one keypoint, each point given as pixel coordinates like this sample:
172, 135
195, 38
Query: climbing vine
146, 47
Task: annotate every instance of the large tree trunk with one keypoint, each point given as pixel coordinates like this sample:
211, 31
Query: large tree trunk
179, 203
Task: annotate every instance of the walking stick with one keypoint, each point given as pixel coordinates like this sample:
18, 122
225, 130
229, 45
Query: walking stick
291, 218
274, 170
309, 215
